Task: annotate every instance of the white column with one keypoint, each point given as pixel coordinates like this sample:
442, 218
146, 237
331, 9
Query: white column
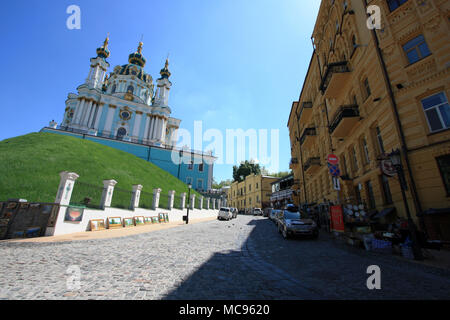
99, 115
109, 120
171, 199
108, 191
163, 130
79, 111
156, 195
153, 128
65, 188
91, 115
192, 202
85, 114
158, 130
137, 125
183, 200
147, 124
148, 131
207, 203
136, 196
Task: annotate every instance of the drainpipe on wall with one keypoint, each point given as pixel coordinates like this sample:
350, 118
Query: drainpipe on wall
404, 147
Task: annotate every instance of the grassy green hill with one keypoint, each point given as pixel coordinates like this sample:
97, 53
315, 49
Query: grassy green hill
30, 167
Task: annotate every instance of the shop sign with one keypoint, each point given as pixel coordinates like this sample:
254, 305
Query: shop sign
337, 218
388, 168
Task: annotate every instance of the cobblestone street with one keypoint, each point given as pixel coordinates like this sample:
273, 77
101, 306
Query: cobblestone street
244, 258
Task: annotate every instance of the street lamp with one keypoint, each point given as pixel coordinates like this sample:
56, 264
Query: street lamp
189, 203
396, 159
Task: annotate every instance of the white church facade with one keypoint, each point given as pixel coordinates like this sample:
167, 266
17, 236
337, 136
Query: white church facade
125, 104
126, 110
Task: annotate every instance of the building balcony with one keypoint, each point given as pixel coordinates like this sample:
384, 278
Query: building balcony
336, 77
306, 110
312, 165
308, 137
345, 119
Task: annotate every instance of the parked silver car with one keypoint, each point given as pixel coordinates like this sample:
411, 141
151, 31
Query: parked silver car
225, 213
293, 223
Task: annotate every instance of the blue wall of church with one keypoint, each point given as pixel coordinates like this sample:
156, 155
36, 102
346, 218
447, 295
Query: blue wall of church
160, 157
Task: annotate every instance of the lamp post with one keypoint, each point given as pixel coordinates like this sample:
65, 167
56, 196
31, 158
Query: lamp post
189, 203
396, 160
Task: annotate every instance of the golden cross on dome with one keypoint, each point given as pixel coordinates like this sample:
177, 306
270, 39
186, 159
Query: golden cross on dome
105, 44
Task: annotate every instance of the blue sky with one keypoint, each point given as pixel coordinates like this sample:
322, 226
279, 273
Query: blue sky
234, 63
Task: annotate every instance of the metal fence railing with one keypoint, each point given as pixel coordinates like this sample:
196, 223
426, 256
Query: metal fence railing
121, 198
86, 194
177, 202
197, 203
146, 200
163, 201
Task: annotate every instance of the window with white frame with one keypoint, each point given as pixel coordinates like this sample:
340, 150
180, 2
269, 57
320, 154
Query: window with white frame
437, 112
189, 180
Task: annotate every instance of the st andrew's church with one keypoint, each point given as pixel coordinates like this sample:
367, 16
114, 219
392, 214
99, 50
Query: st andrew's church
124, 110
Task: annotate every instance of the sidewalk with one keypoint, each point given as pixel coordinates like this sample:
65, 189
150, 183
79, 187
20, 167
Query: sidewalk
433, 258
108, 233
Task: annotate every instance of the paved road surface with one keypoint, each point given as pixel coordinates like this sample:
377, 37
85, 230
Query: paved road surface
244, 258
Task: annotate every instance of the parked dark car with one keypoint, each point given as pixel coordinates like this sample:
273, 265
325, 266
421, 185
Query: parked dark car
293, 223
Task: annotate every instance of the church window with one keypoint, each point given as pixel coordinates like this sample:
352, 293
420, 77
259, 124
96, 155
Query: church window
113, 90
130, 89
125, 115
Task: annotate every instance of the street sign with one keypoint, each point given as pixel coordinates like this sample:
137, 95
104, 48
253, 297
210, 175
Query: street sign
336, 184
333, 159
334, 170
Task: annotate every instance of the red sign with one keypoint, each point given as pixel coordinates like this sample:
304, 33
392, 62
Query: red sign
337, 218
333, 159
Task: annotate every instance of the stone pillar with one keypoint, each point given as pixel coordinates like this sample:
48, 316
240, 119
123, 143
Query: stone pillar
108, 191
201, 202
207, 203
171, 199
136, 196
183, 201
192, 200
156, 194
213, 204
65, 188
219, 204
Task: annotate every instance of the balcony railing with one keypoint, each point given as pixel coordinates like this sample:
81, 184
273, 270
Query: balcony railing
336, 67
315, 161
306, 133
348, 111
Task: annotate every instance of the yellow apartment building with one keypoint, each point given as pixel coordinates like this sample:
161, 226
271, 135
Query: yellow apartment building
368, 92
253, 192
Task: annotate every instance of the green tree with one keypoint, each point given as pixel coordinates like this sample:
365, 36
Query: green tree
245, 169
